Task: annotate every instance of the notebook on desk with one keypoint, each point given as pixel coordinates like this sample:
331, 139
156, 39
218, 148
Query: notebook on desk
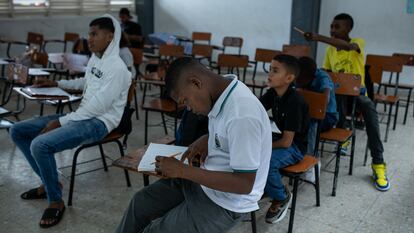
45, 92
147, 163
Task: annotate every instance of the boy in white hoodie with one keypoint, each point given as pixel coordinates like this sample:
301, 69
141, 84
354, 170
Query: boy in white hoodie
105, 86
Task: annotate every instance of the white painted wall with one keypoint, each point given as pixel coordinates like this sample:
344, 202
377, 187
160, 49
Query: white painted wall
262, 24
53, 27
384, 24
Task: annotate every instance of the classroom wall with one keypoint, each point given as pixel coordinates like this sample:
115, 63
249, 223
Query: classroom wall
384, 24
53, 27
264, 23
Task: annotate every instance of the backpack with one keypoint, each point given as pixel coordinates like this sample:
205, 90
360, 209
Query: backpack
125, 125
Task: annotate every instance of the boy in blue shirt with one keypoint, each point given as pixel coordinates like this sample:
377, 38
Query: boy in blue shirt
317, 80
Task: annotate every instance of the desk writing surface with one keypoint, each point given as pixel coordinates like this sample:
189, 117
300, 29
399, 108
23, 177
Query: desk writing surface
3, 62
20, 92
38, 72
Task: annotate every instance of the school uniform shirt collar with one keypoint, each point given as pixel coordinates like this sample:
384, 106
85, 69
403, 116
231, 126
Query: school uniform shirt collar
221, 101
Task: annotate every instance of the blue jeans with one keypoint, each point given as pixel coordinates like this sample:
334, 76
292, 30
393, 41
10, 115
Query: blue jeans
281, 157
39, 150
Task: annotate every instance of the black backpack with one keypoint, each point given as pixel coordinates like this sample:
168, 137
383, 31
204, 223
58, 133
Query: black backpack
125, 125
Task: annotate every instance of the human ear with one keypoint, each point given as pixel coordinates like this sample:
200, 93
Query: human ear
196, 82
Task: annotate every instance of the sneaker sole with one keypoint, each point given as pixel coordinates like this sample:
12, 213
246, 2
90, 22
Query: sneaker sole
282, 216
379, 188
382, 189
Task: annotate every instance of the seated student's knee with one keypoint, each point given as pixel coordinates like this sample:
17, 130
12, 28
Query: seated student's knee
278, 155
365, 102
16, 132
41, 146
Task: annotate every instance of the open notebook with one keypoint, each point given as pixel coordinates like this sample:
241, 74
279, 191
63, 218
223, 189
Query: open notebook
147, 162
45, 92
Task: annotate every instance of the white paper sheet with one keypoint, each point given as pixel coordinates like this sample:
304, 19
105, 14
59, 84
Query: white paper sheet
154, 149
275, 129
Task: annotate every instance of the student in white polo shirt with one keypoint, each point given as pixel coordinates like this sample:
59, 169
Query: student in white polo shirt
234, 159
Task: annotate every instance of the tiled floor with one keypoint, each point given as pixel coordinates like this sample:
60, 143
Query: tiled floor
101, 197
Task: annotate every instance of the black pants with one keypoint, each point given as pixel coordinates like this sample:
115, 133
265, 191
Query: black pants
370, 114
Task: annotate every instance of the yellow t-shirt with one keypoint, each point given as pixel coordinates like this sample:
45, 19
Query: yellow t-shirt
351, 62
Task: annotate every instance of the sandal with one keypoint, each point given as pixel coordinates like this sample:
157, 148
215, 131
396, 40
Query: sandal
33, 194
53, 214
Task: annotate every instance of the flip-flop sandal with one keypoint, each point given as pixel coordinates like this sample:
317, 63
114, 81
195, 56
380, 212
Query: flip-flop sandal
32, 194
52, 214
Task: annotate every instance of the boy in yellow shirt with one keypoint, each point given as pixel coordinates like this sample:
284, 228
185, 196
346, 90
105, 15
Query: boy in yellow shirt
346, 55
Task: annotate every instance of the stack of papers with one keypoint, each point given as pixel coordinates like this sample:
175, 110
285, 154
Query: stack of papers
147, 162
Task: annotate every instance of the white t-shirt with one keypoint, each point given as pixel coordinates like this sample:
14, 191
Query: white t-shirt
239, 140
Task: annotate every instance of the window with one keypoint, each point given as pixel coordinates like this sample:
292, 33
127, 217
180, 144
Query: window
12, 8
33, 3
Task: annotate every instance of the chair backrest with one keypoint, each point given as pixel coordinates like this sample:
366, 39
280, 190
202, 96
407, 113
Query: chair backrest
137, 55
380, 63
233, 61
202, 50
297, 50
168, 50
17, 73
201, 36
80, 46
131, 91
387, 63
35, 38
317, 103
265, 55
71, 36
229, 41
346, 84
407, 58
40, 58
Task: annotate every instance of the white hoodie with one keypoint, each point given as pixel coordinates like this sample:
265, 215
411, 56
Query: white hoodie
105, 85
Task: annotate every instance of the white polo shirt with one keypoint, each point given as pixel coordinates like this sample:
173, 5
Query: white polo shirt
240, 140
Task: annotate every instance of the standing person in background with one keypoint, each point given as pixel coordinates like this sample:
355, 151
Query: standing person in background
132, 29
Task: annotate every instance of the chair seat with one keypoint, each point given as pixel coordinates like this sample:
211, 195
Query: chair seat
112, 136
387, 99
336, 134
302, 166
4, 111
159, 105
254, 83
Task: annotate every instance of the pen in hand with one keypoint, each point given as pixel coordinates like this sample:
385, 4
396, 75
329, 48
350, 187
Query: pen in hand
173, 155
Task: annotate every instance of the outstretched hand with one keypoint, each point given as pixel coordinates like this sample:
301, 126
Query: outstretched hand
310, 36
